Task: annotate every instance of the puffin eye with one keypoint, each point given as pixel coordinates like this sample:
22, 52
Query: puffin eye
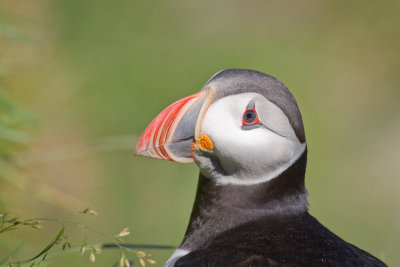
250, 116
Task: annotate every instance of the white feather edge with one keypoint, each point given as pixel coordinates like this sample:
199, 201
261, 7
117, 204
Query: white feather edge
271, 175
178, 253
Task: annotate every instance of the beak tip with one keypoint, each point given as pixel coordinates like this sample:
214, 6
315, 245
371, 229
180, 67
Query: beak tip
139, 150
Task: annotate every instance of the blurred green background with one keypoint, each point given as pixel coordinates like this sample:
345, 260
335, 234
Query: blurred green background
80, 81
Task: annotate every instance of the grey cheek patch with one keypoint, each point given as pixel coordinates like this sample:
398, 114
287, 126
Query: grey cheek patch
209, 162
269, 129
252, 126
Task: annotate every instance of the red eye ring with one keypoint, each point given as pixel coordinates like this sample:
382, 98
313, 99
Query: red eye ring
250, 116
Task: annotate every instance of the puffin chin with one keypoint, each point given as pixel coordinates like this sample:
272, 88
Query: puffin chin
172, 134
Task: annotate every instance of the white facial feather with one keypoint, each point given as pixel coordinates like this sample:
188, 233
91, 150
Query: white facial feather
249, 156
178, 253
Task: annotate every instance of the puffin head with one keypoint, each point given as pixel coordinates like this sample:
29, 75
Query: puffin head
243, 127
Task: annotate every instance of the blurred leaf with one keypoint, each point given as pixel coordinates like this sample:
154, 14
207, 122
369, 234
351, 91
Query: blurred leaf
15, 136
92, 257
151, 261
12, 114
7, 229
15, 123
5, 259
14, 33
124, 232
83, 247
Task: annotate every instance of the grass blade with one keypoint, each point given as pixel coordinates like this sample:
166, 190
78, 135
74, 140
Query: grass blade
48, 247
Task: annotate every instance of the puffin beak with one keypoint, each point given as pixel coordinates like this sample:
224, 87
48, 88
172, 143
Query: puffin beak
171, 134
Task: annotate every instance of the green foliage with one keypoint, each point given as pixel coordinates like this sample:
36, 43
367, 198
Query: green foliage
9, 222
45, 250
15, 124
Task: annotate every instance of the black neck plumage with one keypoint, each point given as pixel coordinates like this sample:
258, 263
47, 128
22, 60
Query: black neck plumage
218, 208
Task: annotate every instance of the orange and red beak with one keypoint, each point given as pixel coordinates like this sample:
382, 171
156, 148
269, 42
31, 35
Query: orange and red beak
171, 134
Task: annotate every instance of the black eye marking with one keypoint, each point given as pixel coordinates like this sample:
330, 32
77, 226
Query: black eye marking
250, 117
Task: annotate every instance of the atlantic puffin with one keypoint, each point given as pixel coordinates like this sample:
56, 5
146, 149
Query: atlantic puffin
245, 132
